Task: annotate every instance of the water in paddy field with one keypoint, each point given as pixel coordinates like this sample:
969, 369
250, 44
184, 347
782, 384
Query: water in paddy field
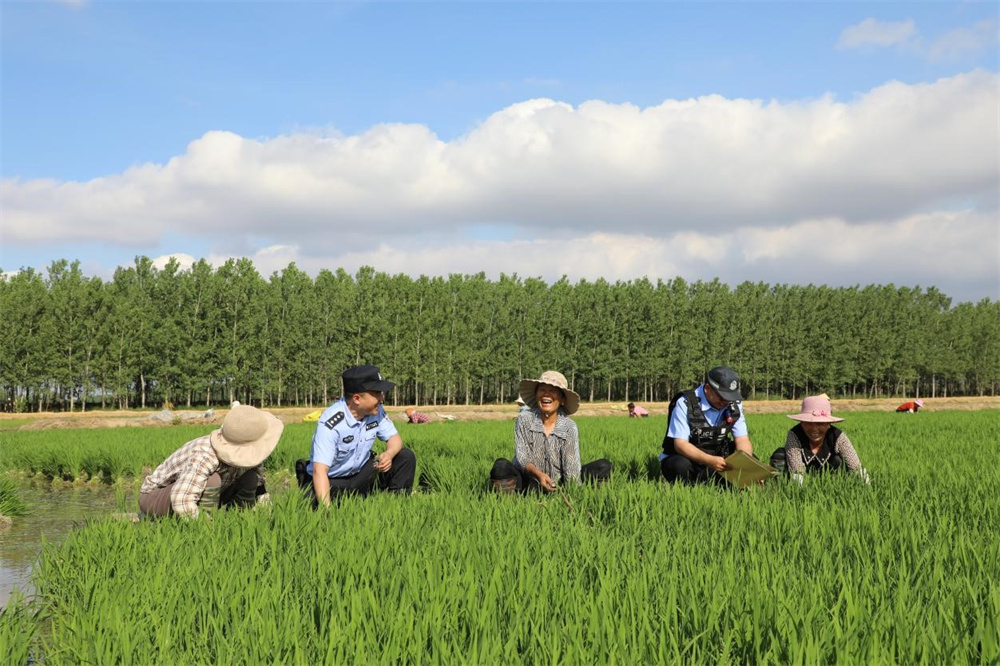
53, 514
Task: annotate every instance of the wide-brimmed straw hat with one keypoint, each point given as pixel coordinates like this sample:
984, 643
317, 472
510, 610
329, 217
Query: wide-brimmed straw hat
247, 436
552, 378
816, 409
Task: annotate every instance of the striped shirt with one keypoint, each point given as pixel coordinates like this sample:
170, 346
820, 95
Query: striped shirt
557, 455
188, 469
798, 454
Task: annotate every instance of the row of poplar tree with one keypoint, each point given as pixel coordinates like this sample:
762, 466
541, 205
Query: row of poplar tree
206, 336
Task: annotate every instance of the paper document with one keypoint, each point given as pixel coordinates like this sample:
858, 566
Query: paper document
746, 470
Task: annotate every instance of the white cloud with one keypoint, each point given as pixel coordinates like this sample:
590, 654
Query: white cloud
881, 34
943, 249
952, 45
184, 260
547, 166
571, 184
961, 42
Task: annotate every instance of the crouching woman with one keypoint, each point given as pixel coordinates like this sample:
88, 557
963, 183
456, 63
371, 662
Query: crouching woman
815, 445
546, 442
221, 469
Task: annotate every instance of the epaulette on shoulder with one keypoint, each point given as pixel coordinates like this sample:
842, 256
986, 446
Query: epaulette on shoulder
332, 422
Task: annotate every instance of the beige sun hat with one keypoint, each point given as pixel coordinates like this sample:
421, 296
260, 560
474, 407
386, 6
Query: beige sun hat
552, 378
247, 436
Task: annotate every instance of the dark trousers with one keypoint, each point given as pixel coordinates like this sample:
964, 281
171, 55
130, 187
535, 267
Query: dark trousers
679, 468
398, 479
242, 493
597, 471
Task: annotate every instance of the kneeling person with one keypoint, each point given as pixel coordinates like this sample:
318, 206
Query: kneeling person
546, 442
705, 426
342, 460
223, 468
815, 445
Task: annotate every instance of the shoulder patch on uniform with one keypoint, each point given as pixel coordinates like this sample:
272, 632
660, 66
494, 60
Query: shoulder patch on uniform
332, 422
348, 439
373, 424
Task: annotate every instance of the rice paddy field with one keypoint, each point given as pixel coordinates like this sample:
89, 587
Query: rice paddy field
902, 571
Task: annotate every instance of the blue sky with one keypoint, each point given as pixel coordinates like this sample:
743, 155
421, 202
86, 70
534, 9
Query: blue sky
247, 99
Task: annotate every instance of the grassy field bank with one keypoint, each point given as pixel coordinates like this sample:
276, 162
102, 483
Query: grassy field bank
901, 571
111, 418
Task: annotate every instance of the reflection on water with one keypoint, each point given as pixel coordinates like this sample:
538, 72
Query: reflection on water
53, 514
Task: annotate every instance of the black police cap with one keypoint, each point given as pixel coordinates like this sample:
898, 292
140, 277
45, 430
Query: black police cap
726, 382
362, 378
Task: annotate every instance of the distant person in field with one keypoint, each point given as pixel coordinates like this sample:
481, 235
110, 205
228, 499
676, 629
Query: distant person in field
521, 406
546, 442
704, 426
413, 416
221, 469
910, 407
636, 412
342, 461
815, 444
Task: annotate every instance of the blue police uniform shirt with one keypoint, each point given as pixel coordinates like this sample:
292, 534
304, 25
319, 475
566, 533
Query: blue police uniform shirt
679, 428
343, 443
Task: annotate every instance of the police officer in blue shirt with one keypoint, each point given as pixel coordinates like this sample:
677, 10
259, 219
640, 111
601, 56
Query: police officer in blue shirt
342, 460
704, 426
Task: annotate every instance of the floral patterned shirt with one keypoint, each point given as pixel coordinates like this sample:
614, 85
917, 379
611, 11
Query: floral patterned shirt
798, 454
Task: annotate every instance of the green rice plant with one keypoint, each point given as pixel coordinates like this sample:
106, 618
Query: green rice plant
18, 631
635, 571
11, 504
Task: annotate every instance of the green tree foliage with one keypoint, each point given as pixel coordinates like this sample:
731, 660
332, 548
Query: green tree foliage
26, 330
200, 335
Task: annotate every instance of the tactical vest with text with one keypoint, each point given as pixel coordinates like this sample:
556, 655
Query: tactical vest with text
715, 440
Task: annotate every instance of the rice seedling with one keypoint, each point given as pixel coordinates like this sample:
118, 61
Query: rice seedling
835, 571
18, 631
11, 504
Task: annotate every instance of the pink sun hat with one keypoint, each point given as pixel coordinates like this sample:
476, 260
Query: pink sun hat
816, 409
920, 403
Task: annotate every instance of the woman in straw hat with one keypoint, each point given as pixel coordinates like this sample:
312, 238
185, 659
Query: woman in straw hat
910, 406
223, 468
546, 442
815, 445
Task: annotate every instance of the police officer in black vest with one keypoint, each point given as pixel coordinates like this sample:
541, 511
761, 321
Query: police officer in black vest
704, 426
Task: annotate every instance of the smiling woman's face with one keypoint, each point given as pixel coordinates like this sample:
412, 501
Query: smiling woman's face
815, 431
550, 398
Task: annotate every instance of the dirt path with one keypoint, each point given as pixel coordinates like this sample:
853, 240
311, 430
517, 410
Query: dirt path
114, 419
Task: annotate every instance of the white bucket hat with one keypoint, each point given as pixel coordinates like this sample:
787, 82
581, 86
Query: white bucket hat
247, 436
552, 378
